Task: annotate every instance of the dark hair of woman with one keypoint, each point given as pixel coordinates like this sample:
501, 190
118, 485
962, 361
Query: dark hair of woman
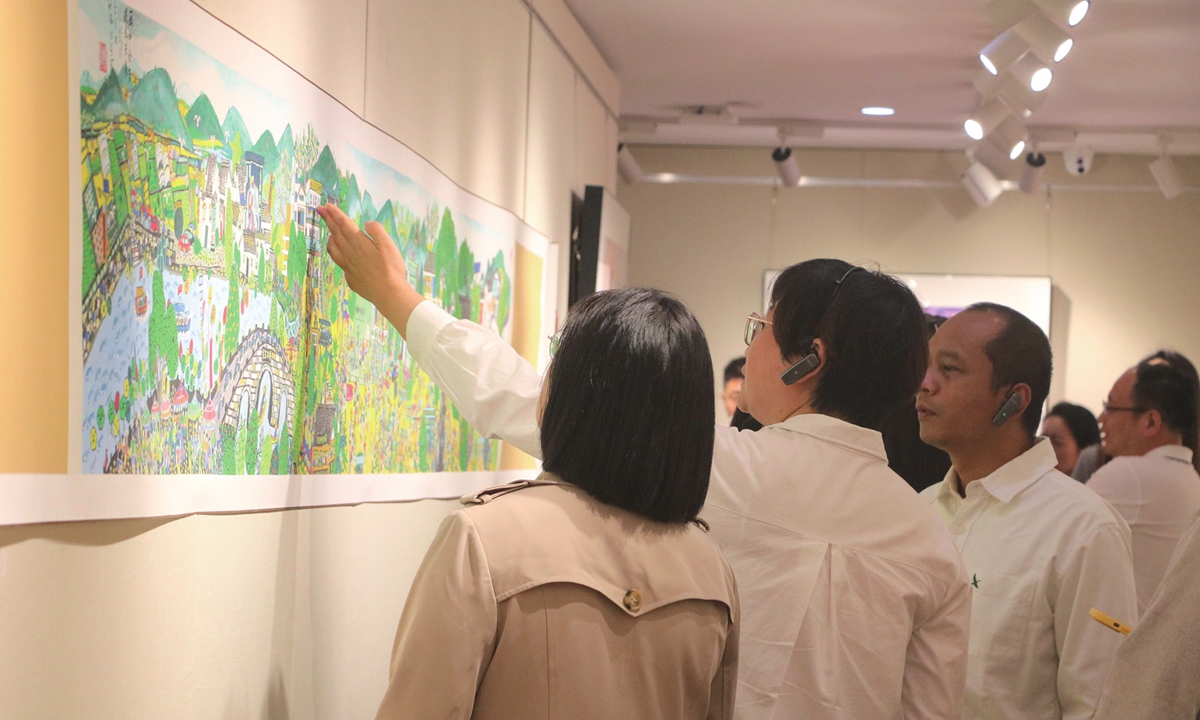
1167, 382
873, 329
908, 456
1080, 421
629, 412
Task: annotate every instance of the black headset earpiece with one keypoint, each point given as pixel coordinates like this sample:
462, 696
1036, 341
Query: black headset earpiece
807, 364
1007, 410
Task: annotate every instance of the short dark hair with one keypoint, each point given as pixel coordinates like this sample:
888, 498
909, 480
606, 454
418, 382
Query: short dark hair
1020, 353
1079, 421
629, 414
1180, 361
1170, 387
733, 371
873, 329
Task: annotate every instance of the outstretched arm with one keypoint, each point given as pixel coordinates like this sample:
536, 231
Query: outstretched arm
492, 386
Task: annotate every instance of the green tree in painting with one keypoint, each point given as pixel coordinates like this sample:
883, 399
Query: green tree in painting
163, 332
252, 423
89, 260
466, 277
233, 329
228, 450
297, 261
446, 255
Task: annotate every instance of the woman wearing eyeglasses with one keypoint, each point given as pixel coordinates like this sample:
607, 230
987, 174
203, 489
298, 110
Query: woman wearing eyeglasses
592, 591
854, 600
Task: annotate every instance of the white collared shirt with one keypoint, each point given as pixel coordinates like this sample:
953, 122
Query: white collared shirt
1158, 494
1042, 550
855, 603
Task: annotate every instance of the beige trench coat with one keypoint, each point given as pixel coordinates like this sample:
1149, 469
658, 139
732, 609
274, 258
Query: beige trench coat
539, 602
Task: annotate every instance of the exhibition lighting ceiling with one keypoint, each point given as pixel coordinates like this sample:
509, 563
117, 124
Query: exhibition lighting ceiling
878, 111
1018, 62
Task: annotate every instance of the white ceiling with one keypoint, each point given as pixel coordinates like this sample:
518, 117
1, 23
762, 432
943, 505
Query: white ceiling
1135, 67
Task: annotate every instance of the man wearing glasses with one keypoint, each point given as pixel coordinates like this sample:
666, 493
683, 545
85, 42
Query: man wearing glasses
855, 603
1149, 429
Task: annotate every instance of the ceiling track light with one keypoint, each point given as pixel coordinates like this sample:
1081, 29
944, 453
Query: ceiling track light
1065, 12
994, 158
1031, 175
785, 165
981, 184
1009, 136
1006, 13
1019, 97
1004, 51
1170, 182
628, 166
1047, 40
986, 119
1032, 72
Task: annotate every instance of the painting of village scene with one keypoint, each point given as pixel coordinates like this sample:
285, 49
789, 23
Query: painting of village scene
218, 337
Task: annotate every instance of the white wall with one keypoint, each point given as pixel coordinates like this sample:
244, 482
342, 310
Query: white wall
292, 614
1125, 265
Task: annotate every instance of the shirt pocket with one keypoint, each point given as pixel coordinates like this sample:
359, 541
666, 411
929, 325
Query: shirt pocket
1001, 608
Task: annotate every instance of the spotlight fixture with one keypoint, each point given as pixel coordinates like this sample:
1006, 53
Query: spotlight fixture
1009, 136
1066, 12
984, 120
994, 158
1006, 13
785, 165
879, 111
1048, 41
1031, 176
1000, 54
981, 184
1019, 97
1167, 176
628, 166
1032, 72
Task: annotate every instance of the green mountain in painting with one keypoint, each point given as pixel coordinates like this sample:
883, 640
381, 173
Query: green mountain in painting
110, 100
326, 171
153, 101
201, 121
233, 126
270, 152
354, 202
368, 208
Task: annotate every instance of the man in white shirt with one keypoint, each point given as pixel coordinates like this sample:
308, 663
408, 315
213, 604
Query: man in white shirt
854, 601
1041, 548
1150, 480
1156, 674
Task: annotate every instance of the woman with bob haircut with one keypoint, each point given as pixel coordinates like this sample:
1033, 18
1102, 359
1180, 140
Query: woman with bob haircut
592, 591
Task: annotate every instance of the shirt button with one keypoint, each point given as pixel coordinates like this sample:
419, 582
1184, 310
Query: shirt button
633, 601
958, 529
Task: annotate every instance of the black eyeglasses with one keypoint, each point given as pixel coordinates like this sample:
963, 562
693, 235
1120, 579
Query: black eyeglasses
1111, 409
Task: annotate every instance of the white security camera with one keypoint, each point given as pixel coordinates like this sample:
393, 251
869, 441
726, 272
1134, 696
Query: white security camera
1078, 159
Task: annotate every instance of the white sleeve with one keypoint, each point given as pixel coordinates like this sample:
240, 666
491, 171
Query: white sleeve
492, 386
1099, 576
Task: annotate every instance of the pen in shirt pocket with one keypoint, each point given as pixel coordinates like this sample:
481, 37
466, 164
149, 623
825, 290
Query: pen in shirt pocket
1109, 622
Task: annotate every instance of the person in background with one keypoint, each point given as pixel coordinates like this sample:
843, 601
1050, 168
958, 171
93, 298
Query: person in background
1041, 549
593, 590
1156, 673
1070, 429
920, 464
854, 601
1151, 480
733, 385
1090, 460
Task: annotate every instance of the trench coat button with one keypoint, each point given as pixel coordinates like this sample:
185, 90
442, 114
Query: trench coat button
633, 601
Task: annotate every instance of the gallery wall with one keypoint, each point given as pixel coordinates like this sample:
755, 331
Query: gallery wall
274, 614
1124, 261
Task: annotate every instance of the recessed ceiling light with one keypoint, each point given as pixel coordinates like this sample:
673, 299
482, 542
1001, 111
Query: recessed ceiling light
878, 111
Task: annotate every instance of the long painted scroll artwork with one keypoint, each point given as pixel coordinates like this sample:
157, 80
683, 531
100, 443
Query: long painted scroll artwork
215, 336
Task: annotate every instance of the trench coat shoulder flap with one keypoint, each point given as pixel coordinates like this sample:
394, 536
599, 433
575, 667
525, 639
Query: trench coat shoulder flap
543, 531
